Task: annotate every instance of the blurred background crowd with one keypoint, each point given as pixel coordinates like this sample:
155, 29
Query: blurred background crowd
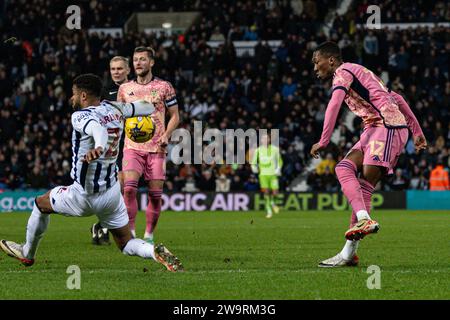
275, 88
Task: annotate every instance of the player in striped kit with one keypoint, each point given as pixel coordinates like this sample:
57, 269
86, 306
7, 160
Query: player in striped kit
386, 117
97, 127
149, 158
119, 70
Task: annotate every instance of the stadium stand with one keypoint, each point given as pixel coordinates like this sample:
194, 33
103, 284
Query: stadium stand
272, 89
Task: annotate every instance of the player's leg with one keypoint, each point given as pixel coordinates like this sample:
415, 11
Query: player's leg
378, 144
36, 226
65, 200
112, 212
347, 174
100, 235
155, 174
346, 171
137, 247
133, 166
381, 153
274, 187
264, 184
155, 188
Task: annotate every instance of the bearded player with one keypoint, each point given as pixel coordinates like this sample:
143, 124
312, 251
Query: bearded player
149, 158
386, 117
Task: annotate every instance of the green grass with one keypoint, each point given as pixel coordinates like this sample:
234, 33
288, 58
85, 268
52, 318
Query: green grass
238, 255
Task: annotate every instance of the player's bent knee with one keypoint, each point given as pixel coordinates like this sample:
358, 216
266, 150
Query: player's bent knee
43, 203
156, 184
130, 188
121, 237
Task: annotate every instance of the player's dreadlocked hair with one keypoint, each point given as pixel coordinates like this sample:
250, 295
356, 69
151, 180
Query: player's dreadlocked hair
329, 49
90, 83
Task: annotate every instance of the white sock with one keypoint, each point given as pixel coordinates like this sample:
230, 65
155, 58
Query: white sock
148, 235
349, 250
138, 247
37, 224
362, 214
133, 233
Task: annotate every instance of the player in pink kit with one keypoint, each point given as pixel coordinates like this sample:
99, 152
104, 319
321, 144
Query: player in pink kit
149, 158
386, 117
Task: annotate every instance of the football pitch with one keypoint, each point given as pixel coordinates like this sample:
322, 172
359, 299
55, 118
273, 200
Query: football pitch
238, 255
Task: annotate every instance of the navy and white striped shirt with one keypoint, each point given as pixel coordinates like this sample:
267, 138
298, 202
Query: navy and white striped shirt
101, 174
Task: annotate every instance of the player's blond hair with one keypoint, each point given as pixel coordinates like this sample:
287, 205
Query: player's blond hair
121, 58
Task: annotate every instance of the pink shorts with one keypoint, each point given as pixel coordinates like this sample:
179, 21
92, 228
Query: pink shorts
152, 165
382, 146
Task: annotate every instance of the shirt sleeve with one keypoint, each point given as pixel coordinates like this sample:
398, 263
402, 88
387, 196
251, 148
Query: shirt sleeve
99, 133
331, 115
170, 99
342, 80
81, 119
411, 119
133, 109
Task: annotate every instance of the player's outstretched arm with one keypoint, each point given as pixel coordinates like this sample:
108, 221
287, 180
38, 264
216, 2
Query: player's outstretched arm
133, 109
330, 121
419, 139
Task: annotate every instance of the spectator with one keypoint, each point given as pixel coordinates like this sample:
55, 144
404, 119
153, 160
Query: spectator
400, 182
326, 164
251, 184
439, 178
206, 181
289, 88
236, 184
223, 184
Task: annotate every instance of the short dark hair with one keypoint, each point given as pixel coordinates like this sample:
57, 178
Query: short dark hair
150, 51
329, 49
90, 83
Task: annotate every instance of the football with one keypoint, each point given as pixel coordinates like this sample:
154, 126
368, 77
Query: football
140, 129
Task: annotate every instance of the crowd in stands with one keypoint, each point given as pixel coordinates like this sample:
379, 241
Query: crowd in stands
273, 89
404, 11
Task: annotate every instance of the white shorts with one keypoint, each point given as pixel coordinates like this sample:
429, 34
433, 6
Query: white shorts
108, 205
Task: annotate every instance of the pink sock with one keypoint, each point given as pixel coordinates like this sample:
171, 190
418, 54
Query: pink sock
367, 191
153, 209
346, 172
129, 195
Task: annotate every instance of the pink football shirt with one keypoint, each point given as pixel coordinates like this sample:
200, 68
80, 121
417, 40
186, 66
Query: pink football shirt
132, 91
367, 97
